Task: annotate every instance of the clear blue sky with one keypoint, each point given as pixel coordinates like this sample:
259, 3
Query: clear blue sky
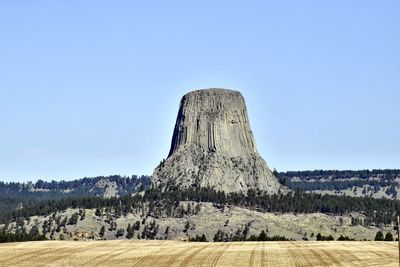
92, 88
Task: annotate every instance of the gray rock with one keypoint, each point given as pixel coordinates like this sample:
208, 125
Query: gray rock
213, 146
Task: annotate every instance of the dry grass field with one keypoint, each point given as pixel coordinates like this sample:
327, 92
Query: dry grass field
171, 253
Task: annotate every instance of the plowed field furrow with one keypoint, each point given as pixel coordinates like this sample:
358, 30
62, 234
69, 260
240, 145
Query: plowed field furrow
219, 254
171, 253
48, 254
156, 249
263, 255
190, 259
253, 255
24, 256
173, 260
299, 258
163, 257
318, 258
205, 257
333, 257
113, 252
238, 253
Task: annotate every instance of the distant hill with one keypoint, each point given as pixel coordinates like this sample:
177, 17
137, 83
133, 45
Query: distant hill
350, 203
375, 183
184, 215
103, 186
15, 195
371, 183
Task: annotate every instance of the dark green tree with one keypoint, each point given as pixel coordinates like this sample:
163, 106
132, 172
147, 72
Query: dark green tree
120, 232
319, 237
102, 231
389, 237
203, 238
98, 212
263, 236
379, 236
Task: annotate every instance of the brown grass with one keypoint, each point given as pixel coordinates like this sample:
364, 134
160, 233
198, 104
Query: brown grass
171, 253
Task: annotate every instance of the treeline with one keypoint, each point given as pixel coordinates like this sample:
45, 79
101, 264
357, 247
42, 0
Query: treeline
15, 195
385, 174
6, 237
167, 204
80, 187
369, 186
222, 236
380, 237
334, 180
377, 211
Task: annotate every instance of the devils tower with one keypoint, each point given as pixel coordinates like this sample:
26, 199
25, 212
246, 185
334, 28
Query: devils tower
213, 146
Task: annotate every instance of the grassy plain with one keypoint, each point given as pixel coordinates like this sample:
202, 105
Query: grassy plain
173, 253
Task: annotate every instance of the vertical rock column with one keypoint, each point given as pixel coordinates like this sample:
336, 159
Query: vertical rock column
213, 146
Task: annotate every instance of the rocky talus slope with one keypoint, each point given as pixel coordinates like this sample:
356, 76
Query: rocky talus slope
213, 146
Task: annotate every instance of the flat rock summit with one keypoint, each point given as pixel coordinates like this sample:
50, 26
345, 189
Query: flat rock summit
214, 147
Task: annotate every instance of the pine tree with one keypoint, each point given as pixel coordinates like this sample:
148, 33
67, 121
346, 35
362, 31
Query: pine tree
130, 232
187, 226
389, 237
379, 236
263, 236
120, 232
102, 231
203, 238
98, 212
319, 237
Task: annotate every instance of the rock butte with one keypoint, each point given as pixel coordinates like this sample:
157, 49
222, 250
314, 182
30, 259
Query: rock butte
213, 146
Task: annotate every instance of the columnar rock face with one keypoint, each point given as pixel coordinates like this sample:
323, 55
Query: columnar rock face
213, 147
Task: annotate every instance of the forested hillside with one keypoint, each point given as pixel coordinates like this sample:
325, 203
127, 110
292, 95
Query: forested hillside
184, 213
110, 207
17, 195
375, 183
157, 204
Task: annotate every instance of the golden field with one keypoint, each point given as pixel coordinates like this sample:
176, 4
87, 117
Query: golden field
173, 253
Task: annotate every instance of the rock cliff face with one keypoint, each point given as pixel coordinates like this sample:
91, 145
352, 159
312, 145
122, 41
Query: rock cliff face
213, 146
